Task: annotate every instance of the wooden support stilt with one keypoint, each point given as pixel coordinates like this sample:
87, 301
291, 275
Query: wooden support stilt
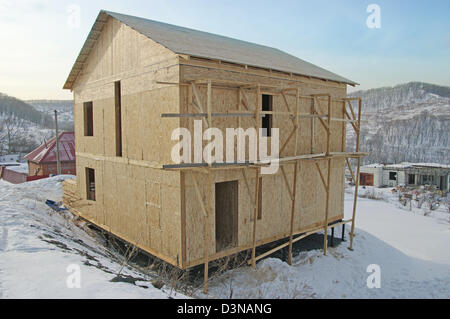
255, 217
327, 207
350, 169
294, 192
206, 262
355, 199
327, 204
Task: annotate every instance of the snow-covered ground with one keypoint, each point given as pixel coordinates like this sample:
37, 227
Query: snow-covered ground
40, 250
37, 245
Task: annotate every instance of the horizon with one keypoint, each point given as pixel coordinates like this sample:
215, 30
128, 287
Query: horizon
411, 43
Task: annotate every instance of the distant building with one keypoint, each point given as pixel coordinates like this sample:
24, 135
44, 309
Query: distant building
9, 158
14, 174
42, 161
408, 174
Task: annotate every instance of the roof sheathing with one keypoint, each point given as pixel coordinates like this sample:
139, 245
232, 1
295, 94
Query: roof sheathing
205, 45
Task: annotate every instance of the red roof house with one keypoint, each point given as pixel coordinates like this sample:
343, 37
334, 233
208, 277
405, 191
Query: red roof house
42, 161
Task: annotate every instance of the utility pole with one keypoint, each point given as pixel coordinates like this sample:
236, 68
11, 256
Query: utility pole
58, 162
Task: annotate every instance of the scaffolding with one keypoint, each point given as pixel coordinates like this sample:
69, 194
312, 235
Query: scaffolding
207, 114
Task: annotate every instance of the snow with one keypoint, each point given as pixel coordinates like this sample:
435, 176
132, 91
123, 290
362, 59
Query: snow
22, 168
37, 245
412, 250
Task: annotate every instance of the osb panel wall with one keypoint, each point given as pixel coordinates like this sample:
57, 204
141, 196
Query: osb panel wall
226, 100
122, 54
134, 201
276, 203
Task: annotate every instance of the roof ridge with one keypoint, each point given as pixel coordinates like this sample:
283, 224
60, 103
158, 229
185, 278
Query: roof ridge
197, 43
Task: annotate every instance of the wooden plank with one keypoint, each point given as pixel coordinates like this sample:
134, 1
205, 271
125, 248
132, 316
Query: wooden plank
207, 226
296, 239
352, 231
198, 102
183, 218
255, 217
297, 121
199, 195
248, 188
327, 206
286, 182
350, 169
294, 131
287, 107
294, 192
321, 176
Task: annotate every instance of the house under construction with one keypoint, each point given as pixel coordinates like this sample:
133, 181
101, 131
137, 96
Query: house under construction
135, 81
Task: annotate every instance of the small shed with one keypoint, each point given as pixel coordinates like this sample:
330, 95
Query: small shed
406, 174
42, 160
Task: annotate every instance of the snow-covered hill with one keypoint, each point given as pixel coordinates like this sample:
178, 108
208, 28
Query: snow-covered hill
24, 125
64, 108
409, 122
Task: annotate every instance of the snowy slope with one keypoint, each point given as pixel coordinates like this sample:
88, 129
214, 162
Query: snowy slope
64, 108
412, 251
37, 245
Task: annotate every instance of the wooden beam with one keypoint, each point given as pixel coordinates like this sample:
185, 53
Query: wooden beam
199, 195
329, 126
255, 217
208, 102
355, 199
286, 182
320, 119
327, 206
206, 254
287, 106
294, 131
350, 169
198, 102
294, 191
248, 188
321, 176
297, 122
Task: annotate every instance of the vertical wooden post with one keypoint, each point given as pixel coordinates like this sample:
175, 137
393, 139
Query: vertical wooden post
327, 204
297, 106
352, 231
239, 106
344, 127
258, 117
255, 217
208, 102
292, 212
329, 126
327, 207
313, 101
207, 226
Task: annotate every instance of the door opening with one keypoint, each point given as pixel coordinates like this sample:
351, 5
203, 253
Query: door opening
226, 215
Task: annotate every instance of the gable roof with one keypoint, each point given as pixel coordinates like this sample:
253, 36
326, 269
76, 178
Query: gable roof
46, 153
201, 44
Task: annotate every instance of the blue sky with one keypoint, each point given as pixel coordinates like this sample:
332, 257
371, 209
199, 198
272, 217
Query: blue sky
39, 46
